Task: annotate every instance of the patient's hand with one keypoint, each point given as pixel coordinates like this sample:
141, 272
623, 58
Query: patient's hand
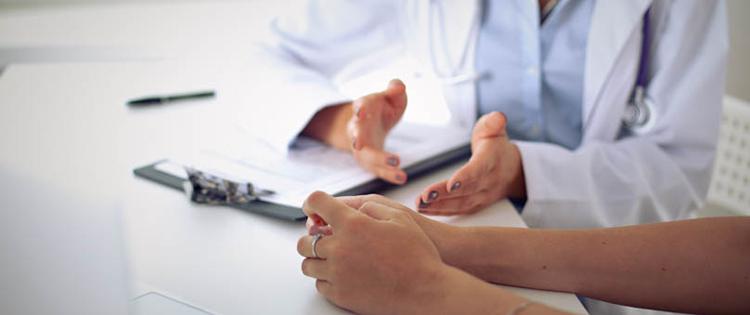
494, 172
361, 266
362, 126
442, 235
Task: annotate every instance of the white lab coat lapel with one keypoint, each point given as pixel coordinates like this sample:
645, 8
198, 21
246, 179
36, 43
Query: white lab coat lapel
452, 37
612, 24
460, 19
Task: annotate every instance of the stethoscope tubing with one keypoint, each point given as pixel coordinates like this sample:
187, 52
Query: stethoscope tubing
638, 116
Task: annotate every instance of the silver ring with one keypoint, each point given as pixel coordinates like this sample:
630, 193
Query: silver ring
314, 244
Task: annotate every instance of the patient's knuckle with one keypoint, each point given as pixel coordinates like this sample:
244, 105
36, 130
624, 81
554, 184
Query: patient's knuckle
300, 245
315, 197
368, 205
375, 197
305, 267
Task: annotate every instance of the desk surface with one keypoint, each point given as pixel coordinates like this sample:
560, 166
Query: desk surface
66, 124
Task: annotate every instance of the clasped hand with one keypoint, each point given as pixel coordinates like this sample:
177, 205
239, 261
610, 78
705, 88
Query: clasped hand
359, 264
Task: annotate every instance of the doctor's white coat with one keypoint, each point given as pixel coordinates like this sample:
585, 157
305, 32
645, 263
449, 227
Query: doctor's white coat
611, 179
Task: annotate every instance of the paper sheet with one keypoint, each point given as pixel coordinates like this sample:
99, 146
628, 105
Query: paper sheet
312, 165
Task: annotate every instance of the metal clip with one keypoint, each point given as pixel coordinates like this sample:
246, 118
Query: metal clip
205, 188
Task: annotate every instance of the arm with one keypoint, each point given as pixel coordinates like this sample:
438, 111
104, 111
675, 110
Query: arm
329, 125
349, 276
296, 82
693, 266
293, 69
658, 176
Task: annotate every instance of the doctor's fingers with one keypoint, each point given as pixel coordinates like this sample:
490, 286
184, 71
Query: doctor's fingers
372, 105
316, 268
322, 246
365, 133
470, 176
460, 205
439, 191
466, 180
381, 163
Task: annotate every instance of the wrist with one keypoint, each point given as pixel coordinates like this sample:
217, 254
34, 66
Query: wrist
448, 239
517, 186
329, 125
454, 287
493, 254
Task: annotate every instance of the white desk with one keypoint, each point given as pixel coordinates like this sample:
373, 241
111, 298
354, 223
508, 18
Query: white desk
67, 124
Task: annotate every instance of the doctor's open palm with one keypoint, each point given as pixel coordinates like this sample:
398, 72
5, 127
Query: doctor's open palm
494, 172
362, 126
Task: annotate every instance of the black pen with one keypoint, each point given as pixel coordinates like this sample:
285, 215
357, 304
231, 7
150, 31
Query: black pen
152, 100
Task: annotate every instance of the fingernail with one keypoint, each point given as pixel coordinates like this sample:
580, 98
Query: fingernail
392, 161
432, 196
423, 205
455, 186
314, 230
399, 178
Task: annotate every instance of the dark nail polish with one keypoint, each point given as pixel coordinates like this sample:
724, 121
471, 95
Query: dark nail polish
432, 196
399, 178
455, 186
423, 205
392, 161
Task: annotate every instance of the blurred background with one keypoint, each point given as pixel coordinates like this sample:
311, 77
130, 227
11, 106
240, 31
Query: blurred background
44, 31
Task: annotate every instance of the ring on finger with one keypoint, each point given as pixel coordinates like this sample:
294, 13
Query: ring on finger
314, 244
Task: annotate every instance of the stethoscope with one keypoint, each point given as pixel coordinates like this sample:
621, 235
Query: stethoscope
456, 73
639, 115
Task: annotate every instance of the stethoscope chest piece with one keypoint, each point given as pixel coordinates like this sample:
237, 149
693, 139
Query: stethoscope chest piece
639, 116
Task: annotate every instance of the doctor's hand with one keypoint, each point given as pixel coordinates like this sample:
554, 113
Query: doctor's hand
495, 171
374, 116
361, 265
362, 126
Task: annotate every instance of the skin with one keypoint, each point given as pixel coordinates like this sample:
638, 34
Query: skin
494, 172
347, 275
692, 266
361, 128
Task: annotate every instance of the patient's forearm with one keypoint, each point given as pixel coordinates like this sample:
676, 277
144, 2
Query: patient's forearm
329, 126
695, 266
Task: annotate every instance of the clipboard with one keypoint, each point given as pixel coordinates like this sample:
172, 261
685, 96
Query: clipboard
152, 173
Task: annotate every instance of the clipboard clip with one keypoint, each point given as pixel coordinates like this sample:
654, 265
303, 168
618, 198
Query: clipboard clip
205, 188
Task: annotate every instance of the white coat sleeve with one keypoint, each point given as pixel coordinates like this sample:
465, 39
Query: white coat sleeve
294, 67
662, 175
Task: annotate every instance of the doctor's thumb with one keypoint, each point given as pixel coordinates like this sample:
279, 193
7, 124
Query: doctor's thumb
490, 125
396, 92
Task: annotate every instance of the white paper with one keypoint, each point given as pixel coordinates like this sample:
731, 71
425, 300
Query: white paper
312, 165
